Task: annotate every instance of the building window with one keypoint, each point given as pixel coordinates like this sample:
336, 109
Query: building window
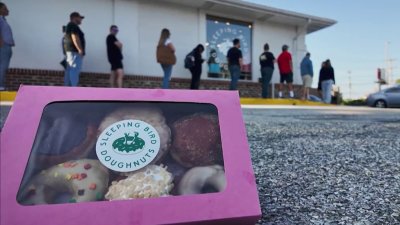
220, 34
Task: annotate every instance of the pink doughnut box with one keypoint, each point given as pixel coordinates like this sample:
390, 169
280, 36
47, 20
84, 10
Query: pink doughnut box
237, 204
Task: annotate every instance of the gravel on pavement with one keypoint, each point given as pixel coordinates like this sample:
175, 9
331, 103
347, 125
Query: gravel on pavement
329, 166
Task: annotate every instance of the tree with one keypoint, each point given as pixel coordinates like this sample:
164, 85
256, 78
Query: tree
398, 81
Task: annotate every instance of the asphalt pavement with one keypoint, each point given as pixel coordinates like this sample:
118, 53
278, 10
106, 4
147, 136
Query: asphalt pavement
323, 165
326, 165
4, 110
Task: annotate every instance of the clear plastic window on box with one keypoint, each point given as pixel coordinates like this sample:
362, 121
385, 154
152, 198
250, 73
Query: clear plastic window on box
104, 151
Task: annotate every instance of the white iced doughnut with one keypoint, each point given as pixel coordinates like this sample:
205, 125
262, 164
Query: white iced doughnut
199, 180
151, 181
77, 181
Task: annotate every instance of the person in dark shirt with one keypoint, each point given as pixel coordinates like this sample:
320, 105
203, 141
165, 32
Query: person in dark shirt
196, 69
326, 80
74, 46
235, 62
114, 54
267, 60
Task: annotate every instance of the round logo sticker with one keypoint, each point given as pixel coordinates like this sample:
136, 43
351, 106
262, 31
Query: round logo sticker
128, 145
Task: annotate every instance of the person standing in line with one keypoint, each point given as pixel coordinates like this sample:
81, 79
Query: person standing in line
235, 62
197, 68
285, 65
6, 44
63, 62
307, 73
319, 83
167, 68
267, 60
326, 80
114, 54
213, 64
74, 48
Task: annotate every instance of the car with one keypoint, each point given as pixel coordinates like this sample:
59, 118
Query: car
389, 97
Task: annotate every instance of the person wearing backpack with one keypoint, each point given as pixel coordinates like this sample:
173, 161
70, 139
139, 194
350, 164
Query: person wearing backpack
193, 62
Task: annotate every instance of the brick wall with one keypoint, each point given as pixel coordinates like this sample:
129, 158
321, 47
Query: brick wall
16, 77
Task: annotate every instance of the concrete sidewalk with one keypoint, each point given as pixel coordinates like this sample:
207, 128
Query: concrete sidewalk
7, 97
279, 101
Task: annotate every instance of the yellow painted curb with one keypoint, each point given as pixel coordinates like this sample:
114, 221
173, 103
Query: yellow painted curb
279, 101
7, 96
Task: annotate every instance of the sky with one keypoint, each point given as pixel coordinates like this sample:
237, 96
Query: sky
366, 37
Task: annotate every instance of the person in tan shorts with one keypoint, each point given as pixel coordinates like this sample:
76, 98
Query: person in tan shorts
307, 73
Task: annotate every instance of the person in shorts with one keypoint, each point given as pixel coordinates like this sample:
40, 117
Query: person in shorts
286, 71
114, 53
307, 73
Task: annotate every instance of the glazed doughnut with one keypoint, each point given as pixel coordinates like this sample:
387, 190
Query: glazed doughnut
151, 181
196, 140
148, 114
200, 180
73, 181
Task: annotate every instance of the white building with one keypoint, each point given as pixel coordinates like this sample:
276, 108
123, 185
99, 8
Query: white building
37, 31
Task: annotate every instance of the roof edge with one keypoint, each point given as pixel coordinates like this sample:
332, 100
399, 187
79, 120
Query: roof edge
324, 22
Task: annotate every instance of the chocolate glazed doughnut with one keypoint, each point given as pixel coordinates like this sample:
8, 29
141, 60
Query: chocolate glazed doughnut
61, 136
78, 152
196, 140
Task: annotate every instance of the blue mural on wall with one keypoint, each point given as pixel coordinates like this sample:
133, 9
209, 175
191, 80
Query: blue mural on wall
220, 33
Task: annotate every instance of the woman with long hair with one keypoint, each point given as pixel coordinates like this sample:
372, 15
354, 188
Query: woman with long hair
167, 68
326, 80
197, 68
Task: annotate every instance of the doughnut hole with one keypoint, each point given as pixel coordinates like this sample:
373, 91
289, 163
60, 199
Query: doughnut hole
208, 188
61, 195
203, 180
